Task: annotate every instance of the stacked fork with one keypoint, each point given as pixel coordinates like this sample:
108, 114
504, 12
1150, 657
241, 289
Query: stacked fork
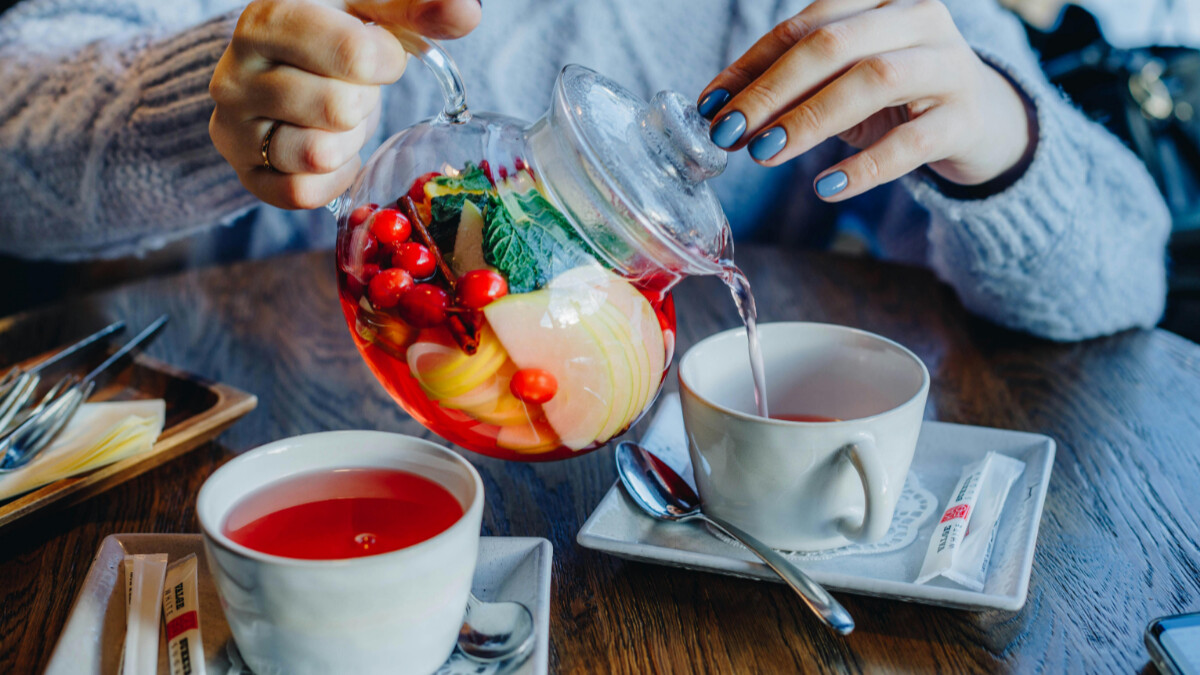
26, 430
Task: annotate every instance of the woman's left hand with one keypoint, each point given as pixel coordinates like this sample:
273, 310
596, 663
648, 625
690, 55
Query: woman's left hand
894, 78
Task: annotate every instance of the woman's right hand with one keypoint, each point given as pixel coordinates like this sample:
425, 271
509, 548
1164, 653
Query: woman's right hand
315, 67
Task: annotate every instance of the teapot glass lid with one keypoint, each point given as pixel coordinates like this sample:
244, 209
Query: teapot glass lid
647, 160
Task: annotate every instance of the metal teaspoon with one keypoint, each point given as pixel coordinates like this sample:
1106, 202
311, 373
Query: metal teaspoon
663, 494
495, 631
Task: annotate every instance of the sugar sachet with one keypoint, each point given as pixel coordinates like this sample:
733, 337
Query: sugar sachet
961, 546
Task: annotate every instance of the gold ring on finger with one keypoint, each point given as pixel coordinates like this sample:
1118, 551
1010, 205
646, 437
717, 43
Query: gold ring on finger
265, 149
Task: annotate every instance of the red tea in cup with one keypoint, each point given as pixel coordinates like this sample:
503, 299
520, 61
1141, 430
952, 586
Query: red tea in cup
344, 513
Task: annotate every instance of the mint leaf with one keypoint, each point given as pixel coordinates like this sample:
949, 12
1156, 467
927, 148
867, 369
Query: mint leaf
447, 209
445, 212
533, 245
470, 179
507, 248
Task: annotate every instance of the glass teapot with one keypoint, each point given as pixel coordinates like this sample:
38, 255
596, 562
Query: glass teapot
509, 283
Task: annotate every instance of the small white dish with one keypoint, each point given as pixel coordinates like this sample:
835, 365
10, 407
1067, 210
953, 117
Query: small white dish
508, 568
618, 527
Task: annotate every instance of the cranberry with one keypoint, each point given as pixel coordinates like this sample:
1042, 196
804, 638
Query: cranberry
533, 385
479, 288
519, 164
424, 306
415, 258
370, 249
391, 228
355, 285
417, 191
487, 171
388, 287
359, 216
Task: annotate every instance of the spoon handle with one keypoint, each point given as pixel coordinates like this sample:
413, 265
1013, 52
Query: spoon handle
814, 595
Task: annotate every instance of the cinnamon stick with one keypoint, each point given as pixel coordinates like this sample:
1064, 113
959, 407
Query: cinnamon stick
410, 210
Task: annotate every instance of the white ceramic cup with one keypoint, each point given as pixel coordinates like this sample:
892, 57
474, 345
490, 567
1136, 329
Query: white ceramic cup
397, 612
803, 486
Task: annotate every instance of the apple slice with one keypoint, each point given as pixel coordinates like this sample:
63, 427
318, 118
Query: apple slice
549, 329
445, 371
528, 439
627, 303
493, 388
468, 242
505, 410
618, 342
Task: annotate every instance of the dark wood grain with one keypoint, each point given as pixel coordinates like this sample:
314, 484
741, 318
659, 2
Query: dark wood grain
1118, 542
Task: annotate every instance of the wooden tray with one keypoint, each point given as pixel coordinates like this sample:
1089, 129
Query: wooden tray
197, 411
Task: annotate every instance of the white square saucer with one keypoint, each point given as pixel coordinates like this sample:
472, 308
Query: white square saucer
619, 527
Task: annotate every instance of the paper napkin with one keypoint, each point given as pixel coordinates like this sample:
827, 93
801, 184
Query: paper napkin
98, 435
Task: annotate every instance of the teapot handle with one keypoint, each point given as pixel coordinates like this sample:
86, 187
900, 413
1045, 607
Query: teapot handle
444, 71
443, 68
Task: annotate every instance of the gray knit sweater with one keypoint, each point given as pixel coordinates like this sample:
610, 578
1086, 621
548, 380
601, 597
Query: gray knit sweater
104, 148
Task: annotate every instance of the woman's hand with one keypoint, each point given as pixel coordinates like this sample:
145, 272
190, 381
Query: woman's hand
892, 77
315, 68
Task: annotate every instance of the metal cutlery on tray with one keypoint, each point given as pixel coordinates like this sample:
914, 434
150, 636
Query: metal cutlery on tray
25, 429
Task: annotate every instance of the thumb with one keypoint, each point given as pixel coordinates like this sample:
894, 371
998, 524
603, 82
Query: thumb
445, 19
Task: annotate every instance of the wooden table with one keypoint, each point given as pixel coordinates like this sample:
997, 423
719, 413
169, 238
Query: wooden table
1119, 542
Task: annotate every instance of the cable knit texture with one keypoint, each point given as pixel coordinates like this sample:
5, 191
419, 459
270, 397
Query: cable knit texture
104, 148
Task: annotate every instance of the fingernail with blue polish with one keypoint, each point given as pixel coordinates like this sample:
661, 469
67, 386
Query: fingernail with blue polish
832, 184
768, 144
714, 101
729, 129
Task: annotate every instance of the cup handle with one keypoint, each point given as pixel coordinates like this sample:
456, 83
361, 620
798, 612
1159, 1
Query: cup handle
864, 455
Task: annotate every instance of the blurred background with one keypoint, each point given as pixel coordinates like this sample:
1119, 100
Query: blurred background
1132, 65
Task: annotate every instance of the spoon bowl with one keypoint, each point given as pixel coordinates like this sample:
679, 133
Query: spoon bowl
663, 494
495, 631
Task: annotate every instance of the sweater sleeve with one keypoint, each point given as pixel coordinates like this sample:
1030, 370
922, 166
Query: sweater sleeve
1075, 247
104, 147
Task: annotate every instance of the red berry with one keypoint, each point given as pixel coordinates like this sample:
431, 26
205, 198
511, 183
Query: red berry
487, 171
533, 385
519, 164
478, 288
415, 258
359, 216
370, 250
388, 287
417, 191
357, 286
424, 306
391, 228
503, 172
